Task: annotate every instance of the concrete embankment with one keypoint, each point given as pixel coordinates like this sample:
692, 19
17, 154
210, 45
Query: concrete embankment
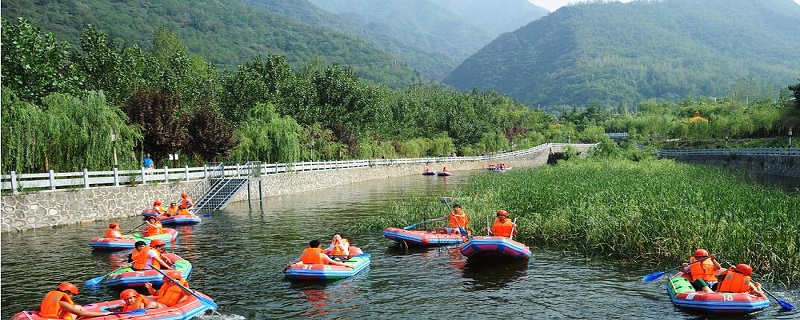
46, 209
778, 165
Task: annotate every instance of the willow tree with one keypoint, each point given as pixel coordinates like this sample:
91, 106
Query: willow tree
65, 133
266, 136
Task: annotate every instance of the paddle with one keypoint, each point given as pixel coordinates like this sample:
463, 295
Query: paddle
785, 305
210, 303
511, 236
94, 281
137, 227
418, 223
655, 275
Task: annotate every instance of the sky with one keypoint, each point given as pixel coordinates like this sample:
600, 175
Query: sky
552, 5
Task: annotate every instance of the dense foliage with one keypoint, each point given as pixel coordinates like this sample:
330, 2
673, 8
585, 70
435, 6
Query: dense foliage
227, 33
613, 54
165, 101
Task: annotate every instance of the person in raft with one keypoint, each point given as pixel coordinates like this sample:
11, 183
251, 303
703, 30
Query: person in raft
150, 256
134, 301
157, 208
702, 268
503, 226
339, 248
186, 200
183, 211
170, 293
137, 247
154, 227
58, 304
458, 219
738, 280
113, 231
314, 255
172, 209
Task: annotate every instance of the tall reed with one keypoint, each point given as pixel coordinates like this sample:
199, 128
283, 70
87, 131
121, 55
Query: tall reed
654, 211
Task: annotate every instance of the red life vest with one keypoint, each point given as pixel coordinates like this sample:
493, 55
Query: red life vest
140, 259
170, 294
502, 229
734, 282
51, 306
137, 304
112, 233
312, 256
702, 270
187, 203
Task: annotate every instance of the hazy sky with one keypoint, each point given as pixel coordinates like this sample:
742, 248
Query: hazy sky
552, 5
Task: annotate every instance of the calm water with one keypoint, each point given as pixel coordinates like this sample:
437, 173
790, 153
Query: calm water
238, 255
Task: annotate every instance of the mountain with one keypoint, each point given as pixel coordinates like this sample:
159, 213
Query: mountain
227, 33
613, 52
433, 36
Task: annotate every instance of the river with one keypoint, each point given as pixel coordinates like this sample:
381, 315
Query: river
238, 255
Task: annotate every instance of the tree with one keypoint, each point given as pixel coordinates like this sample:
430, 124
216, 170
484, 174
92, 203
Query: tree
156, 113
35, 65
210, 135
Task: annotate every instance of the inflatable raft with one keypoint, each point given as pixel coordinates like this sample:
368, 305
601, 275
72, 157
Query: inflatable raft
428, 173
129, 240
177, 219
186, 309
422, 238
324, 272
129, 278
683, 295
494, 247
444, 174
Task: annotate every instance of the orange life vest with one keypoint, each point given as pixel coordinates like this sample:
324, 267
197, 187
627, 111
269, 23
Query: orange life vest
172, 210
312, 256
702, 270
183, 212
51, 307
158, 229
502, 229
112, 233
734, 282
339, 248
187, 203
458, 219
137, 304
170, 294
140, 259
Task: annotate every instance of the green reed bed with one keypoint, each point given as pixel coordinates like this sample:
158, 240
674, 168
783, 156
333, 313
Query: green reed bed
657, 211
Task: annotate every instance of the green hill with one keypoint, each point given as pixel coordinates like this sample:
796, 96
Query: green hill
225, 32
611, 53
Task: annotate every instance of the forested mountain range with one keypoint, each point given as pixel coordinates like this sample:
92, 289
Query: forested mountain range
611, 53
227, 33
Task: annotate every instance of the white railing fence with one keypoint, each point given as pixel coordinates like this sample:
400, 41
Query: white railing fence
16, 183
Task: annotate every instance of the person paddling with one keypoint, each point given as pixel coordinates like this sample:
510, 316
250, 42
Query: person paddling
340, 248
154, 227
113, 231
703, 273
503, 226
170, 293
58, 304
313, 255
458, 219
738, 280
150, 256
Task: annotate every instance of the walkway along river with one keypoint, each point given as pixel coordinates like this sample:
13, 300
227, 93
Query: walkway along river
238, 255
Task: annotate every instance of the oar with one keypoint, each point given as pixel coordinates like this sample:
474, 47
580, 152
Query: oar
95, 281
655, 275
137, 227
785, 305
511, 236
418, 223
213, 305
